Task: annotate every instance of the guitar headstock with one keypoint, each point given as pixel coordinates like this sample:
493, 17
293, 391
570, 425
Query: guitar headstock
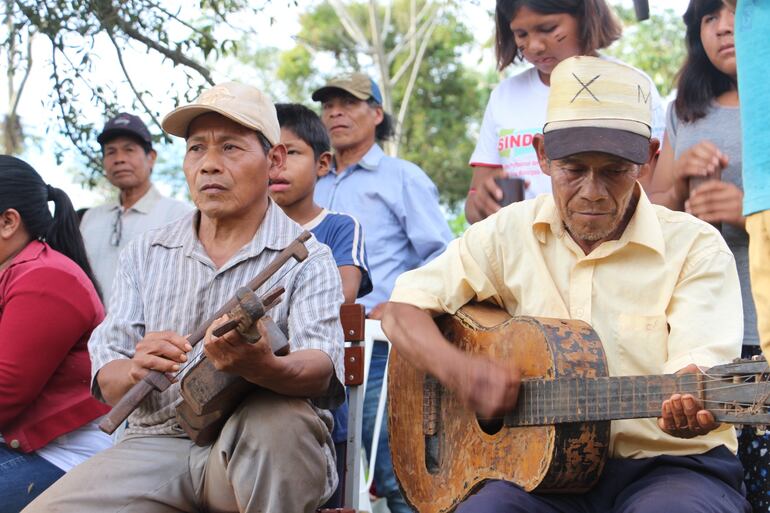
739, 392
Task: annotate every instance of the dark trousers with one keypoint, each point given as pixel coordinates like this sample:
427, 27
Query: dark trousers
706, 483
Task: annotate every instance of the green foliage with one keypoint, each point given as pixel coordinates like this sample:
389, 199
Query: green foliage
73, 27
457, 222
655, 46
446, 98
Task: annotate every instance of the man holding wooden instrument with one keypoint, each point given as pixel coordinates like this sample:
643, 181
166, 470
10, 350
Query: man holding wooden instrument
275, 452
660, 289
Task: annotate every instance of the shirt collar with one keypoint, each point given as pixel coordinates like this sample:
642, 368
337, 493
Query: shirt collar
145, 203
148, 201
643, 228
275, 232
316, 220
31, 251
371, 160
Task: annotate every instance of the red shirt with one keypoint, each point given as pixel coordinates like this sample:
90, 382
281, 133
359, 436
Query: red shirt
48, 308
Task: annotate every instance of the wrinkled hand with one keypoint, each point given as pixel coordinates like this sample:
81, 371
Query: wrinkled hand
683, 415
486, 387
702, 159
231, 353
717, 202
483, 201
162, 351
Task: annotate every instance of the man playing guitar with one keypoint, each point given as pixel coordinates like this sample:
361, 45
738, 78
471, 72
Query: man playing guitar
659, 287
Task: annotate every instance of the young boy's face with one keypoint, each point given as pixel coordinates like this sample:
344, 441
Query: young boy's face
297, 180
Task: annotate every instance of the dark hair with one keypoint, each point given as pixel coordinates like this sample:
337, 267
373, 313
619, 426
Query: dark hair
266, 145
387, 127
598, 26
305, 124
25, 191
698, 81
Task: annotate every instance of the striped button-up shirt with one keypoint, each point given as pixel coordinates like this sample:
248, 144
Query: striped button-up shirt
166, 281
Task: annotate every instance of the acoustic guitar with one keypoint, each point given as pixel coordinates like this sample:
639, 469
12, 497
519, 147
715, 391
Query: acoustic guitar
557, 437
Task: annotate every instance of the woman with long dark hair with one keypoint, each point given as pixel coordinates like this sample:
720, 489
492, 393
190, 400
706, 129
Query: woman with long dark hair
542, 33
48, 307
703, 140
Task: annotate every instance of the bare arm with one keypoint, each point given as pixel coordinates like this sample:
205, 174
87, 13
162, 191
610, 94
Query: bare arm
162, 351
663, 188
481, 384
351, 282
483, 194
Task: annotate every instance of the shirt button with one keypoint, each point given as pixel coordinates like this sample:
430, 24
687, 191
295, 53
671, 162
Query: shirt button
579, 311
15, 444
218, 277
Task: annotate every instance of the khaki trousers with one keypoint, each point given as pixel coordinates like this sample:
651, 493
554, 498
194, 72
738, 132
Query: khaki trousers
758, 227
269, 457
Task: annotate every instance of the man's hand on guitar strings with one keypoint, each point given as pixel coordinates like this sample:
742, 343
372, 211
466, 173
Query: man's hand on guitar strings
162, 351
683, 415
486, 387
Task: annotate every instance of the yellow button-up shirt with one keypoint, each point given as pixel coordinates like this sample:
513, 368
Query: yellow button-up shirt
666, 294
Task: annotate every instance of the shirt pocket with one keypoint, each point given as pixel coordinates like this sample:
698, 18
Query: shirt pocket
642, 344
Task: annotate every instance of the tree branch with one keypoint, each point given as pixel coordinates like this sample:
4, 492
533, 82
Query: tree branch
378, 53
67, 128
413, 79
350, 26
175, 56
412, 34
17, 93
138, 94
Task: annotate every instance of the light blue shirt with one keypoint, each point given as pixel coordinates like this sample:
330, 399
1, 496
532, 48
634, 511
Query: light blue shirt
397, 204
752, 43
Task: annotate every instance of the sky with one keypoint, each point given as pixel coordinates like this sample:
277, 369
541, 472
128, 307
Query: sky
278, 25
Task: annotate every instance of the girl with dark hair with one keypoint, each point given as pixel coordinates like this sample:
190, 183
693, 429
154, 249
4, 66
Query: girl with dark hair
542, 33
703, 139
48, 308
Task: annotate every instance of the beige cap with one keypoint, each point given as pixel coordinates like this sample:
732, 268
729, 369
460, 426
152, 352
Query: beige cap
598, 105
358, 84
245, 105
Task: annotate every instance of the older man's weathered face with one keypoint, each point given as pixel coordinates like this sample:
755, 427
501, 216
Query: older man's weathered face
350, 122
226, 167
594, 192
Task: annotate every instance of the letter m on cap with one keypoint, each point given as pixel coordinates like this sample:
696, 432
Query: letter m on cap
640, 96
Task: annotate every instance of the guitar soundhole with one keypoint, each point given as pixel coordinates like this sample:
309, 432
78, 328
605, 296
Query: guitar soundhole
490, 426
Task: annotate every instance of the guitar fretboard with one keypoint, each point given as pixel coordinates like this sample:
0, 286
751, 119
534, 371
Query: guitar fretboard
543, 402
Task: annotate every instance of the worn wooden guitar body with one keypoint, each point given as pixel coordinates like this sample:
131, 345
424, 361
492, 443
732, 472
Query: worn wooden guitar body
441, 452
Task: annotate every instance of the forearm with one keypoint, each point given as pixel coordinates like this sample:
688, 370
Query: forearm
414, 334
114, 380
305, 373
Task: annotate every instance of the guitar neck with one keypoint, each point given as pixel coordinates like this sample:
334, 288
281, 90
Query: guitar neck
556, 401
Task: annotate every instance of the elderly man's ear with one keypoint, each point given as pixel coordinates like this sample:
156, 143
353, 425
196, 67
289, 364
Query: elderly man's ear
538, 142
647, 169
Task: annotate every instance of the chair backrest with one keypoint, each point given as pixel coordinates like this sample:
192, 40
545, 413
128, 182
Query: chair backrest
352, 317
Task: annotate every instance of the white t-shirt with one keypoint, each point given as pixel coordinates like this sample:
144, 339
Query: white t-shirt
514, 114
73, 448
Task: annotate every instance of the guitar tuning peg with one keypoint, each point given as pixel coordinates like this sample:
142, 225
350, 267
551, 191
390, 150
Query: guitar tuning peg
736, 360
757, 357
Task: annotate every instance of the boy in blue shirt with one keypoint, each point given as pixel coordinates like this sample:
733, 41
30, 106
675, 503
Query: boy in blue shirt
292, 188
